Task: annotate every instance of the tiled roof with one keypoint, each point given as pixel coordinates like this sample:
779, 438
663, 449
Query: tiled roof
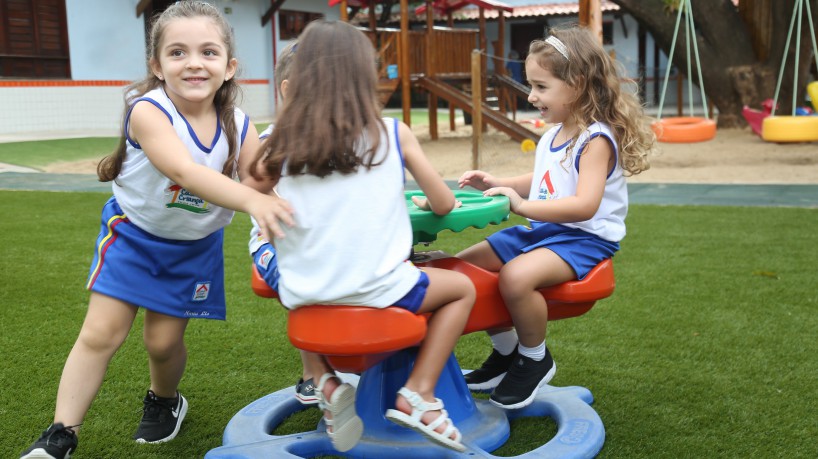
470, 13
445, 6
546, 9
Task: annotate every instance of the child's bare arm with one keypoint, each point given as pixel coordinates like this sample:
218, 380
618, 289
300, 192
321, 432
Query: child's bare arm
151, 129
483, 181
440, 198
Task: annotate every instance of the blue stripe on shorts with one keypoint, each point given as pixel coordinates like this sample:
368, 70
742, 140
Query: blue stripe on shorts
580, 249
414, 299
178, 278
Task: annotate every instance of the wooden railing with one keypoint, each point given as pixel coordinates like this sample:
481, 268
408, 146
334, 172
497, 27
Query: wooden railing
450, 51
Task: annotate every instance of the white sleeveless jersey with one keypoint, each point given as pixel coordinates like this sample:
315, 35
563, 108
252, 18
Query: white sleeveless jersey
556, 177
352, 235
155, 203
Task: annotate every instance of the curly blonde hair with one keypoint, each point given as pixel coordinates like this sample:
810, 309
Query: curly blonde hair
597, 79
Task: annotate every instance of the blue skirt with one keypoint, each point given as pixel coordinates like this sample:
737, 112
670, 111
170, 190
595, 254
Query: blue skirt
580, 249
178, 278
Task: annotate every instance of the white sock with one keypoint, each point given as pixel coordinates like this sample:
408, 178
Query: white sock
505, 342
535, 353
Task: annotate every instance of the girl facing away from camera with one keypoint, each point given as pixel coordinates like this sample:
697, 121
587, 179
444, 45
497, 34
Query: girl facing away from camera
261, 250
341, 166
160, 243
575, 199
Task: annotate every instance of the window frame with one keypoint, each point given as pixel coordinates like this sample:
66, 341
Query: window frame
34, 39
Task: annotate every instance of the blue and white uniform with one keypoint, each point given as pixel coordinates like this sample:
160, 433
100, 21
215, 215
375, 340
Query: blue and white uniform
160, 246
352, 236
556, 173
261, 251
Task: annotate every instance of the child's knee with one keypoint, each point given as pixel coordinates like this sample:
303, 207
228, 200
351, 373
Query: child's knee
512, 285
101, 336
463, 286
163, 348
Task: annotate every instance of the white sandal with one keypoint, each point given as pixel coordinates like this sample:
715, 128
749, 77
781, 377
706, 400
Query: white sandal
414, 420
345, 428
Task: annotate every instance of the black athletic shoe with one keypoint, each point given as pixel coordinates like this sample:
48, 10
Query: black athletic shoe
56, 442
305, 392
520, 385
489, 375
161, 418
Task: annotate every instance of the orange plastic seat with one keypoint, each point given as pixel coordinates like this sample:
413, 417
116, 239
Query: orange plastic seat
355, 338
569, 299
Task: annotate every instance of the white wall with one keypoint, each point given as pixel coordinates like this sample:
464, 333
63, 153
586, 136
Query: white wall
107, 44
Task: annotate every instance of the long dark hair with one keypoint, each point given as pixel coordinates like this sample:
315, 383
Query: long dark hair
225, 100
330, 120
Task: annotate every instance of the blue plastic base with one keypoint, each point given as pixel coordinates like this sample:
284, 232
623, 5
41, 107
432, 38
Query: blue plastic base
485, 427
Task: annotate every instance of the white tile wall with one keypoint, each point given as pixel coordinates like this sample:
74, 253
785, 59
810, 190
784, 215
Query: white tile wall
89, 108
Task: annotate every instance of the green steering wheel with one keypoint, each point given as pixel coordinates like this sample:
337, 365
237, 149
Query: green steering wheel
477, 211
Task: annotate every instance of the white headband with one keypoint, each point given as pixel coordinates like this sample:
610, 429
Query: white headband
558, 45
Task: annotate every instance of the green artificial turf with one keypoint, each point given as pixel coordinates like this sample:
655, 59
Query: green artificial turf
706, 348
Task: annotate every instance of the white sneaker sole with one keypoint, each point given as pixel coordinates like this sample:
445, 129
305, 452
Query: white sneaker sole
180, 418
486, 385
548, 376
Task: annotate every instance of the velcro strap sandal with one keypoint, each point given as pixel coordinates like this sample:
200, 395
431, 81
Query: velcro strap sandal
344, 427
414, 420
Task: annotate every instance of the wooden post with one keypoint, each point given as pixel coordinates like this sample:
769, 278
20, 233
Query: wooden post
500, 51
403, 66
430, 68
483, 61
373, 21
590, 15
477, 108
450, 24
499, 61
373, 26
344, 12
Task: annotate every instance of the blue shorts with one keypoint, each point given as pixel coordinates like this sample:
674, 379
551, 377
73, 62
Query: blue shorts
414, 299
580, 249
267, 264
178, 278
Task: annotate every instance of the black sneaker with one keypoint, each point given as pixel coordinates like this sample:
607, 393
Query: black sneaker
520, 385
161, 418
489, 375
305, 392
56, 442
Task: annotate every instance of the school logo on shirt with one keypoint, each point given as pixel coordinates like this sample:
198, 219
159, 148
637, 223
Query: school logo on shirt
201, 291
179, 198
546, 188
265, 258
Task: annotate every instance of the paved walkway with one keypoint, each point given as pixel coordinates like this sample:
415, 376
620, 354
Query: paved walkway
640, 193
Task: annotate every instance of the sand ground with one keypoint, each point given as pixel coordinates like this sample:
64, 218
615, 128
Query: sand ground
735, 156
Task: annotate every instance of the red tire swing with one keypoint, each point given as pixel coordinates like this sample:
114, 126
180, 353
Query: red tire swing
684, 129
793, 128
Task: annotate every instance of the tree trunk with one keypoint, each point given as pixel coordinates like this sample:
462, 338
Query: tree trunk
734, 75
